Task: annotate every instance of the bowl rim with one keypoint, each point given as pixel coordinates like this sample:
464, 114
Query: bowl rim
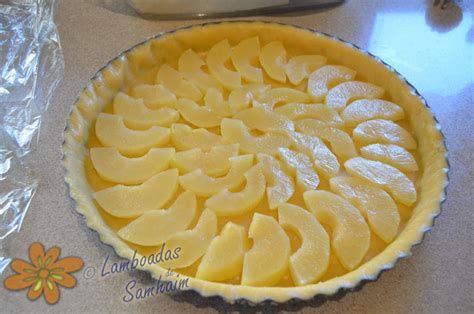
251, 295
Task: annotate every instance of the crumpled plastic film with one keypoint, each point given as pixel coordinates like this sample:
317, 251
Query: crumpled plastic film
31, 66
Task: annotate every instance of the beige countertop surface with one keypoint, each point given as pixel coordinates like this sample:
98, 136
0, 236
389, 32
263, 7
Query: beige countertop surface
433, 49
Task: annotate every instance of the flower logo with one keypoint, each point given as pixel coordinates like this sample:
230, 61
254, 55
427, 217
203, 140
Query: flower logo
44, 274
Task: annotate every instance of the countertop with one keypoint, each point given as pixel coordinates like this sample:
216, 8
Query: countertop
433, 49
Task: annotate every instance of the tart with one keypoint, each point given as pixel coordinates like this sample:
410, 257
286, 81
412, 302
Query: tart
282, 163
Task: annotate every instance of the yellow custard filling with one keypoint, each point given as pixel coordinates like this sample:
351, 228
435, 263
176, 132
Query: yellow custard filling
264, 129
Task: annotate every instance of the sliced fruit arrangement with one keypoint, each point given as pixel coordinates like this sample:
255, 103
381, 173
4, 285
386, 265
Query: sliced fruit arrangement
390, 154
323, 78
174, 81
132, 201
368, 109
273, 60
154, 96
190, 66
383, 131
300, 165
199, 116
205, 186
214, 162
215, 102
114, 167
373, 202
192, 243
280, 186
216, 59
137, 116
338, 97
225, 256
311, 260
320, 112
265, 120
282, 95
299, 67
350, 237
385, 176
267, 261
235, 131
183, 137
157, 226
227, 203
112, 132
243, 54
239, 99
341, 143
208, 159
324, 160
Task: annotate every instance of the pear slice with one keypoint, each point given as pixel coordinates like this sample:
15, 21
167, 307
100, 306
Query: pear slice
341, 143
281, 95
216, 58
154, 96
280, 186
192, 244
226, 203
373, 202
273, 60
240, 98
157, 226
242, 56
184, 137
350, 237
320, 112
205, 186
213, 163
390, 154
132, 201
311, 260
299, 67
387, 177
338, 97
173, 81
190, 66
199, 116
111, 131
267, 261
368, 109
324, 160
383, 131
235, 131
225, 256
215, 102
265, 120
329, 75
112, 166
137, 116
300, 165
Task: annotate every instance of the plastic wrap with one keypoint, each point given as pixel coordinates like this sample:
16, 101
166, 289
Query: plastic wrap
31, 66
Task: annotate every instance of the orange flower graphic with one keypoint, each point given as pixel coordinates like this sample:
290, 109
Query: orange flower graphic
44, 274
